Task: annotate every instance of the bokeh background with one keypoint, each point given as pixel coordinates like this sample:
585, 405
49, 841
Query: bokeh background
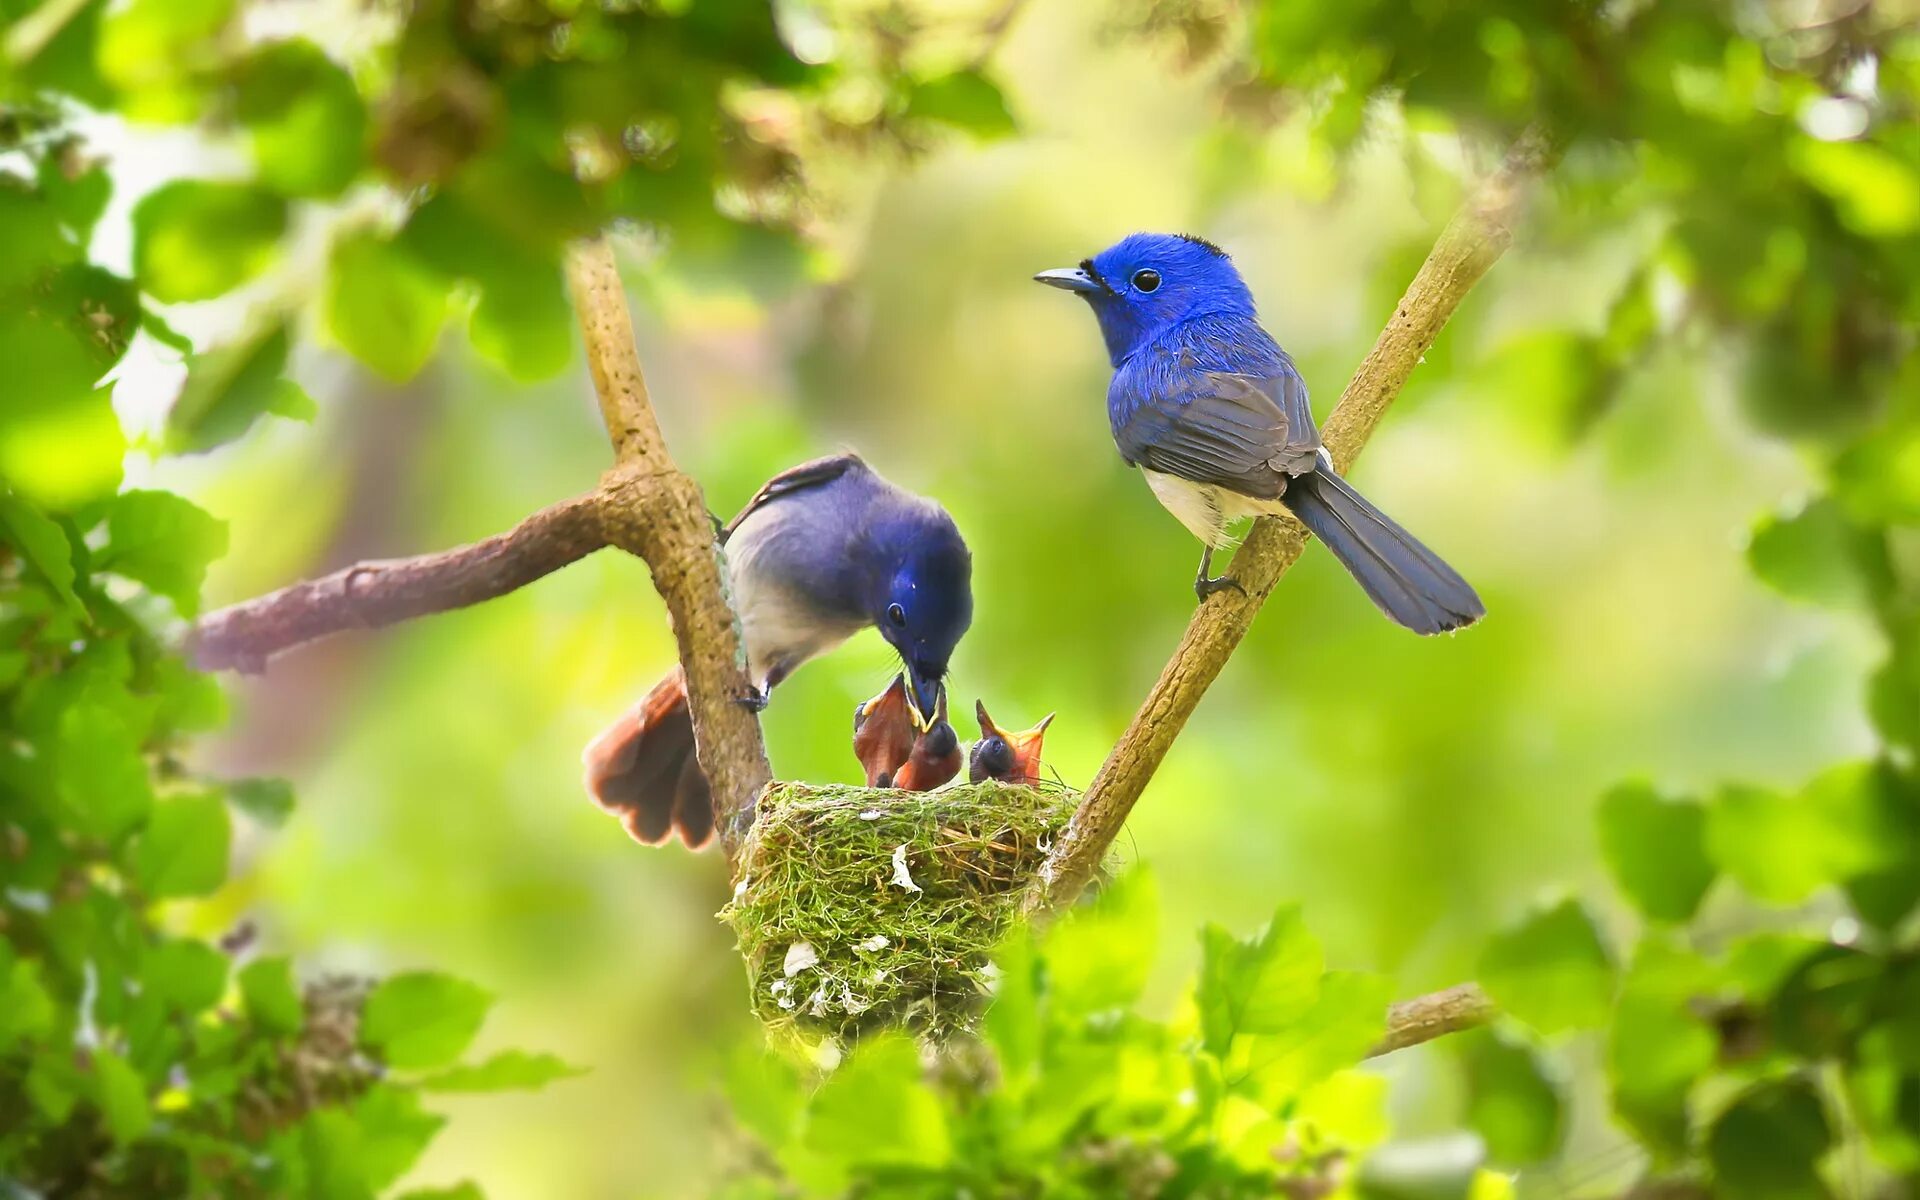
1412, 794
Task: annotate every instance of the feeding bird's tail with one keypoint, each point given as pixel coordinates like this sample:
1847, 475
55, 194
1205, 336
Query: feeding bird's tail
1409, 582
642, 769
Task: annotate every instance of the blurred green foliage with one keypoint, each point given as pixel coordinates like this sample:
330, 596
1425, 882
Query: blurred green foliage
1250, 1091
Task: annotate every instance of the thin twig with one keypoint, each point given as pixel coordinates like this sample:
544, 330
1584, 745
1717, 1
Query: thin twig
1424, 1018
1466, 248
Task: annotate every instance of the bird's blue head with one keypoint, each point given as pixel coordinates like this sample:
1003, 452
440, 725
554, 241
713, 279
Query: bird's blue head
1146, 283
924, 605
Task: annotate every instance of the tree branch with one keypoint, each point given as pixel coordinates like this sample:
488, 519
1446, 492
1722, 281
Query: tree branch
1424, 1018
653, 510
1471, 243
645, 505
368, 595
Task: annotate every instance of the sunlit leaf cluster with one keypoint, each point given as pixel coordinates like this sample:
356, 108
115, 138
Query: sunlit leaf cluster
1251, 1089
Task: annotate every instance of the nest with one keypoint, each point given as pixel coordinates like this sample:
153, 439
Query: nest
860, 908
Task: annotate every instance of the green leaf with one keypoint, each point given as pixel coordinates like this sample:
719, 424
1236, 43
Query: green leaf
524, 325
121, 1096
876, 1108
1783, 848
394, 1130
1551, 970
1656, 847
268, 801
60, 442
1512, 1104
1877, 194
194, 240
1012, 1024
1099, 955
1875, 479
55, 1084
966, 100
1767, 1145
30, 238
1347, 1017
522, 321
306, 118
44, 546
186, 974
1815, 555
384, 305
99, 771
422, 1019
271, 996
1260, 985
183, 851
148, 44
230, 387
26, 1009
510, 1070
163, 541
1657, 1046
76, 188
1893, 693
1823, 1004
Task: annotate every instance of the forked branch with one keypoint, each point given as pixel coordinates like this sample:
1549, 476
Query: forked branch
645, 505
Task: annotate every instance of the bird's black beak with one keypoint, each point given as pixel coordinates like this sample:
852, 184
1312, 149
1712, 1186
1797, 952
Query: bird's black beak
925, 696
1072, 279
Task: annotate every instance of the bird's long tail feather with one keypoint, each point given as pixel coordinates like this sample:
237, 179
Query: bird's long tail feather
1409, 582
642, 769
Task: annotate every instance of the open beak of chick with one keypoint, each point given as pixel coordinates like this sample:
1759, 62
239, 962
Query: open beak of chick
1007, 757
883, 733
935, 757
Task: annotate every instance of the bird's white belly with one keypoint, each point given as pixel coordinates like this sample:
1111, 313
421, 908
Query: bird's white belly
781, 631
1204, 508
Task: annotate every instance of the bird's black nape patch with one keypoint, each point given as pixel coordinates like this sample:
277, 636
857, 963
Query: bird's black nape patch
1197, 240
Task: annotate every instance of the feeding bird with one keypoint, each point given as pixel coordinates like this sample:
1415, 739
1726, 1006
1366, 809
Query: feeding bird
821, 552
1214, 414
1007, 757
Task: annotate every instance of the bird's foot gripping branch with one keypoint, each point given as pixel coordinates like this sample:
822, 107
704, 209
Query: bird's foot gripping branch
992, 847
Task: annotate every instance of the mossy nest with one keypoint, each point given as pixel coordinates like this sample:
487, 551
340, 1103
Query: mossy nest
864, 908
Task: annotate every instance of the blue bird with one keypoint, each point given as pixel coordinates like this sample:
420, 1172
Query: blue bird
821, 552
1213, 412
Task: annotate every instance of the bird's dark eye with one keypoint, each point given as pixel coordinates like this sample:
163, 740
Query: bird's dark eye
1146, 279
896, 615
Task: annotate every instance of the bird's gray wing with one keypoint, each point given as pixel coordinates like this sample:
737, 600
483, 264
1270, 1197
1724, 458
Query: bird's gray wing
807, 475
1246, 433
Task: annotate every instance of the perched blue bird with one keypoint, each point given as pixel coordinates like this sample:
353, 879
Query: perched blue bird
821, 552
1213, 412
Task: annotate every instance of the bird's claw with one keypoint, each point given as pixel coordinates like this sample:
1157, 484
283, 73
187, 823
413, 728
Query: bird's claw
1204, 587
755, 701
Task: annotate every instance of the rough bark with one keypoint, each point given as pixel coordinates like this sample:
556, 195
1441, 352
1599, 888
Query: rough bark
645, 505
650, 508
368, 595
1424, 1018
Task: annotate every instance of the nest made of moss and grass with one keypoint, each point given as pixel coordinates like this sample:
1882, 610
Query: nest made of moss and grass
863, 908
